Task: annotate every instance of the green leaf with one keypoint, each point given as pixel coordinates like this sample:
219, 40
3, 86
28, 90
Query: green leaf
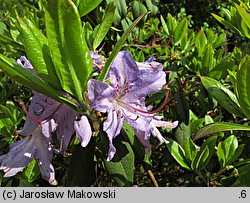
85, 6
190, 150
227, 24
7, 40
200, 42
31, 172
121, 167
82, 162
182, 107
207, 60
244, 14
121, 8
138, 10
164, 25
26, 78
118, 47
204, 154
171, 22
182, 134
219, 127
236, 154
243, 86
231, 144
200, 159
104, 27
6, 113
180, 31
68, 47
152, 7
244, 179
136, 145
226, 98
221, 154
36, 46
226, 150
178, 153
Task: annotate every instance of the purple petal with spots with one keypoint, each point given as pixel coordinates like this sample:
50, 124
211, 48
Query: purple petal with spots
123, 94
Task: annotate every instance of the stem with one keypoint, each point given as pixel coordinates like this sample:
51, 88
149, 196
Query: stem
152, 177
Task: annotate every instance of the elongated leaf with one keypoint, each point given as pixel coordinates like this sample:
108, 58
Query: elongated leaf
171, 22
104, 27
178, 153
82, 162
231, 144
118, 47
219, 127
180, 30
221, 154
182, 107
7, 40
121, 8
182, 134
7, 113
26, 78
227, 24
138, 10
226, 150
199, 162
244, 14
152, 7
204, 155
236, 154
164, 25
243, 86
36, 46
85, 6
68, 47
226, 98
190, 150
207, 60
121, 167
136, 145
200, 42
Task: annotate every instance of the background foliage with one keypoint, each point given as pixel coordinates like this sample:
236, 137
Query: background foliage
206, 52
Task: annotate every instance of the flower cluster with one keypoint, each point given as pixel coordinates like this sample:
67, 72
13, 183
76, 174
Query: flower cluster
122, 96
44, 117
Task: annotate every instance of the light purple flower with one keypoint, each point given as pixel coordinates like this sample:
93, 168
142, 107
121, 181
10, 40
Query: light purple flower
122, 96
22, 152
45, 116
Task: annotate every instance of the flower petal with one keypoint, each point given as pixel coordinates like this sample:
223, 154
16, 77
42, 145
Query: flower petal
112, 126
43, 155
24, 62
20, 155
83, 130
65, 118
99, 94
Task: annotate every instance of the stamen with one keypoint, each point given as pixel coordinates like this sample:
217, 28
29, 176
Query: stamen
150, 112
28, 114
154, 68
98, 66
35, 119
